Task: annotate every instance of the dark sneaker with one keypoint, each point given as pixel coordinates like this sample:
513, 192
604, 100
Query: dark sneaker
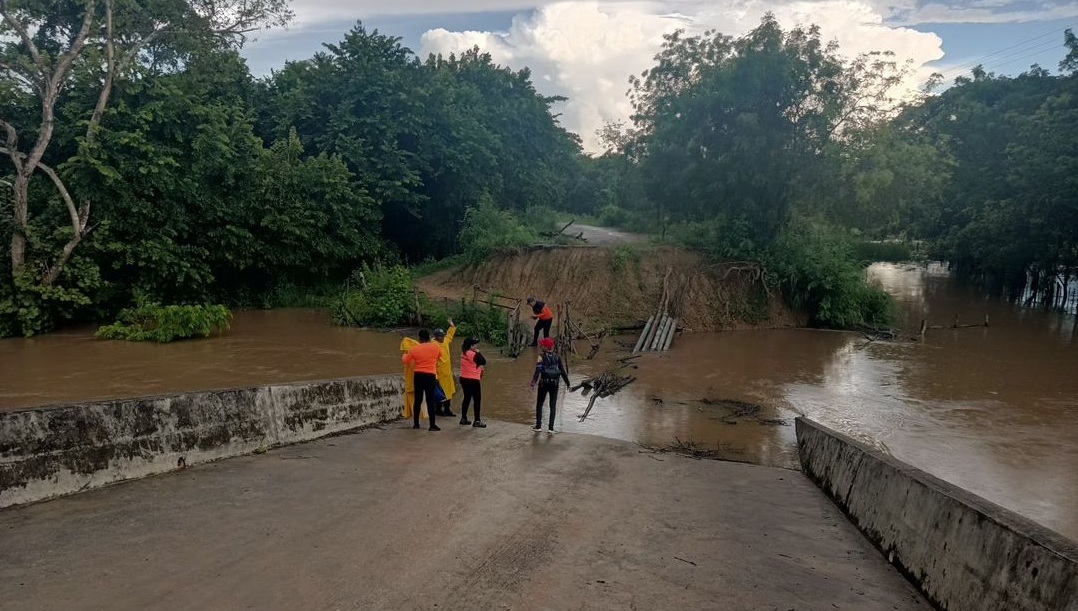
465, 421
415, 426
479, 425
434, 427
448, 414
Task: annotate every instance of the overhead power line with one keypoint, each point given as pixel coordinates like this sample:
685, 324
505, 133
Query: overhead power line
1017, 48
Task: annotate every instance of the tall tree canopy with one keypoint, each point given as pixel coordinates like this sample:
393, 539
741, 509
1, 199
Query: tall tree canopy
153, 167
740, 129
1010, 209
425, 139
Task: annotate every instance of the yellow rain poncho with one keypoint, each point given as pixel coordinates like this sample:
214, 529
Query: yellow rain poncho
409, 386
445, 366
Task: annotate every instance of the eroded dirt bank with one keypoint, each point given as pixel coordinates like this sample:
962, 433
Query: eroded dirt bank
622, 285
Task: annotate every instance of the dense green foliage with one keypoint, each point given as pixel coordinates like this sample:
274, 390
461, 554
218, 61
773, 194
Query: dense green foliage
171, 175
209, 185
157, 323
816, 269
386, 297
1009, 213
753, 148
772, 147
488, 229
427, 139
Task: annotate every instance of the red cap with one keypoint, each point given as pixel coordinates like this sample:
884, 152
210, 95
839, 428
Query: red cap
546, 343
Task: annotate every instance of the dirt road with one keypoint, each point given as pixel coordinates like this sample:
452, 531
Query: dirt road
604, 236
499, 518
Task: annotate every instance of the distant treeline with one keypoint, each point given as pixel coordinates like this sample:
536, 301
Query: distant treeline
144, 163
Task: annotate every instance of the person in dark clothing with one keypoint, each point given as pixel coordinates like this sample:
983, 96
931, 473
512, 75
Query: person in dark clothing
549, 369
472, 364
543, 318
425, 356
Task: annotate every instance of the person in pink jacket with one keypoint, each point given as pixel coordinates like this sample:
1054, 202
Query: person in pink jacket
472, 364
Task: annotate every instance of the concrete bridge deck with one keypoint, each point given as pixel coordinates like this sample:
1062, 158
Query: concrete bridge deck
499, 518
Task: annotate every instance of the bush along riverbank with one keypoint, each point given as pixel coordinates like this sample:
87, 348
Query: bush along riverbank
387, 297
167, 323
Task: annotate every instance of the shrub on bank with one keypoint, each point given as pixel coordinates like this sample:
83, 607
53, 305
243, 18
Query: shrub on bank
488, 229
157, 323
818, 272
384, 297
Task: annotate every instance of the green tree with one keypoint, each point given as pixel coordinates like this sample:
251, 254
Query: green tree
53, 56
1008, 212
425, 139
737, 130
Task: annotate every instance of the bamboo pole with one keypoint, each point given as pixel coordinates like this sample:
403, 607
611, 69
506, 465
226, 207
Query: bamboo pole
643, 334
670, 335
658, 336
666, 332
646, 344
651, 333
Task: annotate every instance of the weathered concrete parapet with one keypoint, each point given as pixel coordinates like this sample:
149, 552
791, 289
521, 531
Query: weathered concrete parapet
57, 450
963, 552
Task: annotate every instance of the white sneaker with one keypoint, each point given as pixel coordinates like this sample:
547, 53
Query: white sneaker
537, 428
550, 431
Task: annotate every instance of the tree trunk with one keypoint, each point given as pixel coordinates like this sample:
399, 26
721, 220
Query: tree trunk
20, 191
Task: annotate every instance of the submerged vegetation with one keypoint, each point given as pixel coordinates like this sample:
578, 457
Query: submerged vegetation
157, 323
172, 175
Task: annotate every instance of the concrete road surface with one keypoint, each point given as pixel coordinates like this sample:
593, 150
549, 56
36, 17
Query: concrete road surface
500, 518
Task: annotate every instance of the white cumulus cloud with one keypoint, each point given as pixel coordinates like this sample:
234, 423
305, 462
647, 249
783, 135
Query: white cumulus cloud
586, 50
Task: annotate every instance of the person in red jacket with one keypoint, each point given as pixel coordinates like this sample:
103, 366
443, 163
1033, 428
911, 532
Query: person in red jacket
472, 364
543, 318
425, 356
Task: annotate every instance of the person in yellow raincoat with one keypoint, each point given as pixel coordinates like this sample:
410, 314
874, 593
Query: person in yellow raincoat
409, 384
445, 367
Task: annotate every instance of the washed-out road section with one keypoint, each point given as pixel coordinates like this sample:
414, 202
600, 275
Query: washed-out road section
496, 518
604, 236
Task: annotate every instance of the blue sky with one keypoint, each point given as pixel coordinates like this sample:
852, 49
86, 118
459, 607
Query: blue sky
586, 49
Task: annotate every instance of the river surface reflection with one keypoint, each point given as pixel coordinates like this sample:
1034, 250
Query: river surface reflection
992, 409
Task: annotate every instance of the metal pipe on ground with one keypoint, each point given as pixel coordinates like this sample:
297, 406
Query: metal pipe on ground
643, 334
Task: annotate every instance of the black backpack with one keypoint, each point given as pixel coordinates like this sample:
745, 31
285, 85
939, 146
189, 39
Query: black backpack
551, 367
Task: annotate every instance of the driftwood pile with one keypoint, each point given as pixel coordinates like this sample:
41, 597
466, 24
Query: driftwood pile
602, 386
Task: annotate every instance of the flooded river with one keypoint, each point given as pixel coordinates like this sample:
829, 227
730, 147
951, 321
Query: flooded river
994, 409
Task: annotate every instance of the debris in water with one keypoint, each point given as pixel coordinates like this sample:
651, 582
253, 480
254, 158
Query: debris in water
601, 386
743, 410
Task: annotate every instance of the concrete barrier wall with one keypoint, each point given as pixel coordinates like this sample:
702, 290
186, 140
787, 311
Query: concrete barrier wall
963, 552
57, 450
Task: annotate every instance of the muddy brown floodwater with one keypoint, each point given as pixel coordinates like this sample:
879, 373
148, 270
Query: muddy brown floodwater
994, 410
